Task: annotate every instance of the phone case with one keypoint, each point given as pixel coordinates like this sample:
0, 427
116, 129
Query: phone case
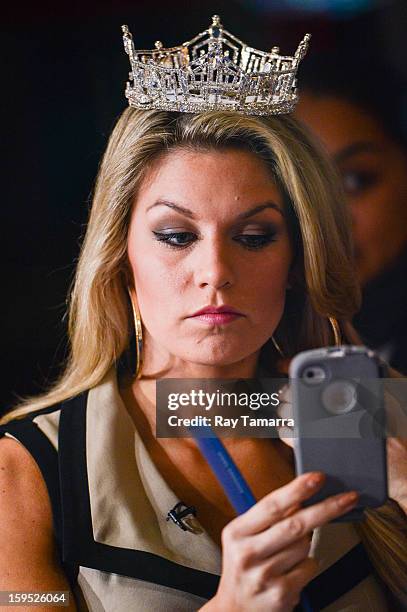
339, 422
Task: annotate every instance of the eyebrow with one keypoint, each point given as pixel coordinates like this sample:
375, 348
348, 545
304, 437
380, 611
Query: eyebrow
245, 215
361, 146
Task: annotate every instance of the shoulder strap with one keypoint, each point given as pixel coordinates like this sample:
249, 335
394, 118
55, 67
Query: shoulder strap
45, 455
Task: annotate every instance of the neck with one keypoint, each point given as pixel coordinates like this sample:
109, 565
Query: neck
139, 395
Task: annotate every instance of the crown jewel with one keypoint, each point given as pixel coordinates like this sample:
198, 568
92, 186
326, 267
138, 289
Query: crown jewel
213, 71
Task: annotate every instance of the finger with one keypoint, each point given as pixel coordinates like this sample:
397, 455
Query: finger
396, 417
283, 561
284, 396
290, 529
291, 510
284, 592
285, 411
397, 449
302, 574
272, 508
286, 435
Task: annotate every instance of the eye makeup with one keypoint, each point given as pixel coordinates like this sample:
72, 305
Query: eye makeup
250, 238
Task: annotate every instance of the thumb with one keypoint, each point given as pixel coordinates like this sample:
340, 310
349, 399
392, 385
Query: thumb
284, 411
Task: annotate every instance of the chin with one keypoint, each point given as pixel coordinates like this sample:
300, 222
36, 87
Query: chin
219, 354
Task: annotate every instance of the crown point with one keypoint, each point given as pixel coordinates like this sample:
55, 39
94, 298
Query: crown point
302, 47
158, 45
216, 27
306, 39
275, 50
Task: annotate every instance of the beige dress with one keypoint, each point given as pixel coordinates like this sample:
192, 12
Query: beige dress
110, 506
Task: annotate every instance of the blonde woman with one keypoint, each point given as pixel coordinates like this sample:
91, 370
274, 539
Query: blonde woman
192, 210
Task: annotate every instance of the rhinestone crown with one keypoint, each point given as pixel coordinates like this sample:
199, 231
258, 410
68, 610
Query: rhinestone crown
213, 71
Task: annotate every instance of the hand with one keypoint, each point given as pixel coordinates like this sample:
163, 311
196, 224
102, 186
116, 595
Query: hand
266, 561
396, 450
397, 470
285, 411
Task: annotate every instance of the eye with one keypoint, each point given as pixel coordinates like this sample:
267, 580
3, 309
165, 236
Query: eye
177, 240
182, 240
255, 242
355, 182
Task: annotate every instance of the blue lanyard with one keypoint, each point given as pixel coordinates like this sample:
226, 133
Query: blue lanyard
231, 479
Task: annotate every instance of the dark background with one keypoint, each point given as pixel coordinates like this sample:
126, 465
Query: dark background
63, 77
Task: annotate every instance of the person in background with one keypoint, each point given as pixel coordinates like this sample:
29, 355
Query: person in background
356, 109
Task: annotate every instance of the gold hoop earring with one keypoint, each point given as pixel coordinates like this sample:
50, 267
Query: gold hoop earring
277, 347
138, 331
336, 330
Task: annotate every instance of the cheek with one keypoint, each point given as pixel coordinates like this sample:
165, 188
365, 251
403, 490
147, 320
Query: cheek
157, 282
379, 215
268, 284
272, 287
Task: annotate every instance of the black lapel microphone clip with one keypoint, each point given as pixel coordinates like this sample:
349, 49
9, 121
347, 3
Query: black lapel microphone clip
179, 512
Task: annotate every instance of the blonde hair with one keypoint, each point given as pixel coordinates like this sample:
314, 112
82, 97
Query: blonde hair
100, 318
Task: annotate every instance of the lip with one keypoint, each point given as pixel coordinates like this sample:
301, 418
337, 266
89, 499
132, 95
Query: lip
217, 315
219, 318
217, 310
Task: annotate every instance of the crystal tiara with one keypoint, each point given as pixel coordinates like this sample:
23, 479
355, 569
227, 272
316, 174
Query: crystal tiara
213, 71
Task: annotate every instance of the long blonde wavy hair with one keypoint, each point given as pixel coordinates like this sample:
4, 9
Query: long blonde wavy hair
100, 317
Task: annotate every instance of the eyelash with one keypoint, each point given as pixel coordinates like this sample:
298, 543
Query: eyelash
265, 239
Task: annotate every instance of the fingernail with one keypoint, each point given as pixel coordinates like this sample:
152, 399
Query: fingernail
347, 499
314, 480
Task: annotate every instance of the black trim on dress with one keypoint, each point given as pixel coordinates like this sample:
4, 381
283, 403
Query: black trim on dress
340, 577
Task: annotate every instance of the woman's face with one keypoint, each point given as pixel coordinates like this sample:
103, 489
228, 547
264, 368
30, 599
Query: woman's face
209, 229
374, 173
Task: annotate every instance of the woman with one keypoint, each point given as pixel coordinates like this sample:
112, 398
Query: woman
192, 211
347, 103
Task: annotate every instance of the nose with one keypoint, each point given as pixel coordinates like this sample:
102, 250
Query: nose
214, 265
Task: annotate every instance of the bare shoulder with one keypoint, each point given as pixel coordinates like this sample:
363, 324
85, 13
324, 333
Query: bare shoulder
23, 493
28, 556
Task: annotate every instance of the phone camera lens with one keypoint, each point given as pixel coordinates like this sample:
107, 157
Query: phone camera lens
313, 375
339, 397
